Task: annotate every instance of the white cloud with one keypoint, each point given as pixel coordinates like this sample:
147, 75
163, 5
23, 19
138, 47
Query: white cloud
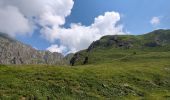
155, 21
79, 37
21, 16
12, 21
56, 48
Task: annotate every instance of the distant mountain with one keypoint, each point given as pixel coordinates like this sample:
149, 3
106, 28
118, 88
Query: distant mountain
117, 46
15, 52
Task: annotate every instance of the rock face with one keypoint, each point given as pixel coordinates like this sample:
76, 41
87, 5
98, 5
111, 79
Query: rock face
15, 52
112, 41
68, 57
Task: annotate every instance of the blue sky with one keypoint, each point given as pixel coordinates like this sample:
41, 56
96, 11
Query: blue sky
135, 14
135, 17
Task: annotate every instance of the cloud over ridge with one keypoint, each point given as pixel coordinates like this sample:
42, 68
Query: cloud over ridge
21, 17
155, 21
79, 37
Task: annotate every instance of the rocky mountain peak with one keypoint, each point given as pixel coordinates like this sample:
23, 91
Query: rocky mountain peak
15, 52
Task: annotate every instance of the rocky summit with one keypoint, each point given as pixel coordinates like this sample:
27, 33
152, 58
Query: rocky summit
15, 52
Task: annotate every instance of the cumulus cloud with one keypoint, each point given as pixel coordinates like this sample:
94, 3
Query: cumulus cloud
155, 21
22, 16
56, 48
79, 37
12, 21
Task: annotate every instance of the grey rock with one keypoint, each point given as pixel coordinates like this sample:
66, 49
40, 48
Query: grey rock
68, 57
15, 52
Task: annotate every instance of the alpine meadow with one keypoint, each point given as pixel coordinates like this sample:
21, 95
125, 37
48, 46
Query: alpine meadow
60, 50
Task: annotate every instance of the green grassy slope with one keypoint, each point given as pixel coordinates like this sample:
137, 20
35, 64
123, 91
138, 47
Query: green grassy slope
125, 68
140, 76
110, 48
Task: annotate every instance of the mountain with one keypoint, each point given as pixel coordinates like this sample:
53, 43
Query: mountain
114, 68
15, 52
108, 48
114, 47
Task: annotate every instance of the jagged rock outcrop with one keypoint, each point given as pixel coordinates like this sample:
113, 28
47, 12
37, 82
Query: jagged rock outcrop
112, 41
15, 52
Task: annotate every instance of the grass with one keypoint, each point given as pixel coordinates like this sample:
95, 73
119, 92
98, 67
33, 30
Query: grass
144, 76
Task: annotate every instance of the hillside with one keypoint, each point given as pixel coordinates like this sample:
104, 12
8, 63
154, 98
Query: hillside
145, 77
112, 68
110, 48
15, 52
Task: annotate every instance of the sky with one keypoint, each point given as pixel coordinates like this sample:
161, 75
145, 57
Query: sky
67, 26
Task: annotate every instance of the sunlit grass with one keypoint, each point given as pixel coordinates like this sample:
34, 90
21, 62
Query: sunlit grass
140, 76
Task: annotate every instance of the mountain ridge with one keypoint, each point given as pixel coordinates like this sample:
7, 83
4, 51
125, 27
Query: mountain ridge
15, 52
152, 41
